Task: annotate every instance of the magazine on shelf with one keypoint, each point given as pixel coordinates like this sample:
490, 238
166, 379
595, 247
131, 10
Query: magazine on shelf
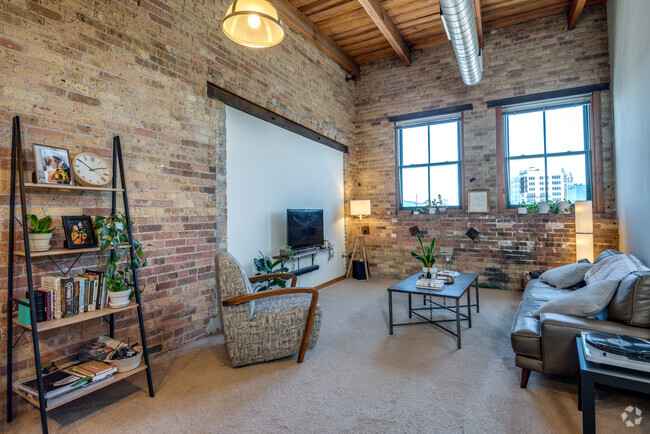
55, 384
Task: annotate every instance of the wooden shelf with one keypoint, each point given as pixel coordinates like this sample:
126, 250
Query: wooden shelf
82, 391
60, 252
71, 187
302, 255
56, 323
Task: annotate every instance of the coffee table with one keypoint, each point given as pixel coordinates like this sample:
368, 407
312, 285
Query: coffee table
455, 291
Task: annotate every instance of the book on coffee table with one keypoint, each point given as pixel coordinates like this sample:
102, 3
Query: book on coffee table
430, 284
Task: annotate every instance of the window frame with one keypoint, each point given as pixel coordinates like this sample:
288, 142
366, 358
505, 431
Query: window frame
547, 183
399, 167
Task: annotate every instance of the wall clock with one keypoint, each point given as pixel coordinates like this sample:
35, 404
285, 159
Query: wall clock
91, 170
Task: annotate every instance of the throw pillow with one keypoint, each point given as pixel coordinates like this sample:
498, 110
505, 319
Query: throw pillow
566, 276
586, 301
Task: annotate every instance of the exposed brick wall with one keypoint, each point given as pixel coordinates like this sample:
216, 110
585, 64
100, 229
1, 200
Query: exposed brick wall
533, 57
80, 71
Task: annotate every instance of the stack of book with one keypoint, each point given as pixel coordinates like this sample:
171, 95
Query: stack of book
430, 284
63, 297
63, 381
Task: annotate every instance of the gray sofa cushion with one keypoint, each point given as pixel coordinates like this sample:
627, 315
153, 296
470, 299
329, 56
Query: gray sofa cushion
584, 302
539, 290
565, 276
631, 302
607, 253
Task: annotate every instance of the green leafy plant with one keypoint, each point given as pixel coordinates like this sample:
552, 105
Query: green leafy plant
113, 250
553, 207
532, 207
428, 258
40, 226
330, 253
264, 265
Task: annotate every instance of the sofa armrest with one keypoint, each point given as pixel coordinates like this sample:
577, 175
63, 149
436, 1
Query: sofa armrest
559, 332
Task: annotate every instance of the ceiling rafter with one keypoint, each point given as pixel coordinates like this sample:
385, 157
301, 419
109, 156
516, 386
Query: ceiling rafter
479, 21
387, 27
574, 12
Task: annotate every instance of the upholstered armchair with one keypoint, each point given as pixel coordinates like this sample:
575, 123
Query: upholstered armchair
267, 325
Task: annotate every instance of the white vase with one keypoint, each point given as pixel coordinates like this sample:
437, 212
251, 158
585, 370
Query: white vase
544, 207
442, 209
563, 206
40, 242
522, 210
119, 299
432, 210
433, 270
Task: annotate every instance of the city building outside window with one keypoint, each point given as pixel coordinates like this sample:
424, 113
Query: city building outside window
429, 162
549, 143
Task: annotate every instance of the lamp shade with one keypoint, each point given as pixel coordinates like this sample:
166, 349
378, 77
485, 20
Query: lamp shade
253, 23
360, 207
584, 217
584, 230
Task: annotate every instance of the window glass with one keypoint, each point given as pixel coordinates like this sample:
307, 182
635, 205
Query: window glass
444, 142
415, 142
526, 134
565, 130
444, 183
415, 182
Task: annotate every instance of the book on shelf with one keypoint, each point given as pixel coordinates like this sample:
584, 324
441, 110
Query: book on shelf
54, 284
90, 303
55, 384
94, 369
68, 294
100, 282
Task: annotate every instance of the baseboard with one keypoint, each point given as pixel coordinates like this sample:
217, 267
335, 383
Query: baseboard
331, 282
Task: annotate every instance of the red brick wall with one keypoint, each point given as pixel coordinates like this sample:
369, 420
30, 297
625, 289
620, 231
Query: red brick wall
80, 71
529, 58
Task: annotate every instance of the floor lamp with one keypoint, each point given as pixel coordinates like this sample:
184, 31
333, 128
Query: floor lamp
584, 230
359, 208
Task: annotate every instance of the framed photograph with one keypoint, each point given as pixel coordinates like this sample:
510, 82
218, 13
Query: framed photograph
478, 201
52, 165
79, 232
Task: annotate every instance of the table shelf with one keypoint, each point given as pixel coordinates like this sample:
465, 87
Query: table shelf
80, 317
71, 187
61, 252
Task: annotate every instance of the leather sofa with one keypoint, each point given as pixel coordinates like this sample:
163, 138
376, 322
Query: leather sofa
547, 344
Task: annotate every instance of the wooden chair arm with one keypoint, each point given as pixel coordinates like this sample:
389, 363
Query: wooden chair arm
293, 277
239, 299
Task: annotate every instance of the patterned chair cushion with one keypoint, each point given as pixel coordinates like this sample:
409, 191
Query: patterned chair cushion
231, 282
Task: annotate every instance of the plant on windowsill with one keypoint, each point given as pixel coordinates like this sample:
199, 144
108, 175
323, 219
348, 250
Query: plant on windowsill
113, 250
564, 206
40, 233
264, 265
441, 205
533, 208
545, 207
432, 206
522, 208
428, 257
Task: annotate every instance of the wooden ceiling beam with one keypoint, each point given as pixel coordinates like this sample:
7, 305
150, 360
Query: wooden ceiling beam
574, 12
387, 27
479, 22
299, 22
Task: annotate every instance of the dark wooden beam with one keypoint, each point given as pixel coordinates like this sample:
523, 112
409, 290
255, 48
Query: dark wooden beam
430, 113
387, 27
299, 22
501, 162
574, 12
581, 90
260, 112
598, 187
479, 21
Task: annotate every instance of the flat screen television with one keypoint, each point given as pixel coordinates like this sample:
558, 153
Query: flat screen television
304, 228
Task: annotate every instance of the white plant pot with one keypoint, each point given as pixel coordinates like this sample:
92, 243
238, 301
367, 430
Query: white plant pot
522, 210
416, 212
544, 207
563, 206
442, 209
40, 242
432, 210
433, 270
119, 299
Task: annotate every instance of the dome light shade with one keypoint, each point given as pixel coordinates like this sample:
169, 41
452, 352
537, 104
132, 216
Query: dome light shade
253, 23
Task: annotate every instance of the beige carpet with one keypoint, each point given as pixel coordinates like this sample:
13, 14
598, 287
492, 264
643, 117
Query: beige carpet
357, 379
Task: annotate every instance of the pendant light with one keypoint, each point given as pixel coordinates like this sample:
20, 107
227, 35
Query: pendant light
253, 23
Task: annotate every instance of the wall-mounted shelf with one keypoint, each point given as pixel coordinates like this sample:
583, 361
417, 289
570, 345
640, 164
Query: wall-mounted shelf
312, 253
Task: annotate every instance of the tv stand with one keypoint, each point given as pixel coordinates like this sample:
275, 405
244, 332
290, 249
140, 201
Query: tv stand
304, 254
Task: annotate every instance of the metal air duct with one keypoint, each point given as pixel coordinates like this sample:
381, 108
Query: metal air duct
458, 18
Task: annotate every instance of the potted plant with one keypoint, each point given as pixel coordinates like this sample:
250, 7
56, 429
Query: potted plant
113, 247
287, 251
432, 206
40, 233
428, 258
264, 265
441, 205
522, 208
545, 207
532, 208
564, 206
330, 251
417, 210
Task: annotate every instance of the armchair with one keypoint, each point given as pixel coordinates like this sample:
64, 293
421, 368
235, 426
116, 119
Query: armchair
268, 325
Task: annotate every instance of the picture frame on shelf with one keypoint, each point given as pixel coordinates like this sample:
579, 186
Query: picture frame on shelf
79, 232
52, 165
478, 201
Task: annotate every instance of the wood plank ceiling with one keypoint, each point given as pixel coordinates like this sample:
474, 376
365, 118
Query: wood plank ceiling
367, 30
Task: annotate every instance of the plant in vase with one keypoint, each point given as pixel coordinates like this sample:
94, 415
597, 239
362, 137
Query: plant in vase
545, 207
330, 252
564, 206
113, 249
287, 251
533, 208
522, 208
264, 265
428, 257
441, 205
40, 233
432, 206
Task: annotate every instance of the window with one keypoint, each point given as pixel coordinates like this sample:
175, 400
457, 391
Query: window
552, 143
429, 162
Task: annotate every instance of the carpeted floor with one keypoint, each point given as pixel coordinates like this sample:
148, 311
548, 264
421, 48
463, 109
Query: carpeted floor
357, 379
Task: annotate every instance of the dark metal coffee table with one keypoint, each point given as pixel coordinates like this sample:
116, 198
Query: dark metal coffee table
454, 291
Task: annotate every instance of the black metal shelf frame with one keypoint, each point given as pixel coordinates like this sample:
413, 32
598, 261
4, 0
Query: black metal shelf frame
18, 167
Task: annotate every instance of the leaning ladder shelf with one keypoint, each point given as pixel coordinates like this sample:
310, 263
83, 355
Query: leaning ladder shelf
17, 167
